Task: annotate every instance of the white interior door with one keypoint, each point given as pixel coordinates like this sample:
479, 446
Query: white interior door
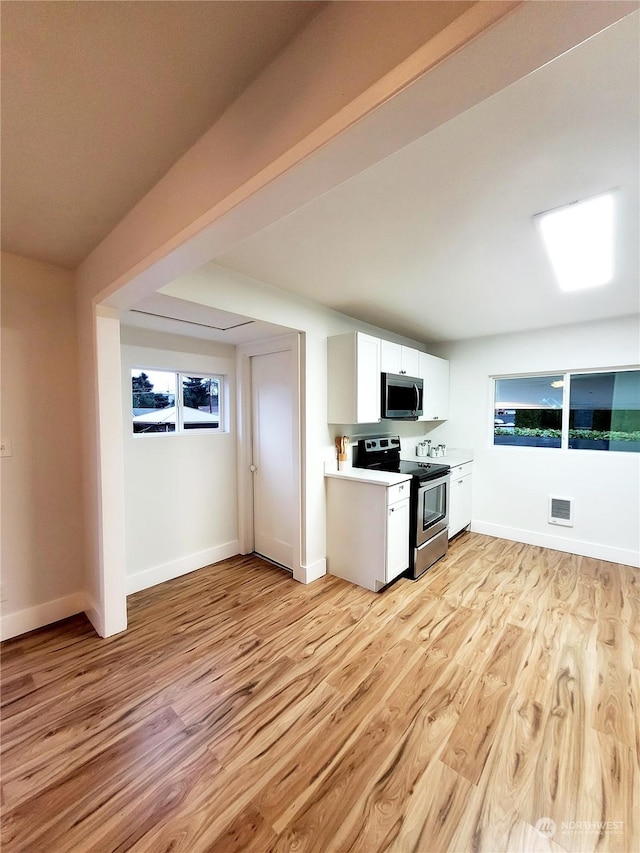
274, 493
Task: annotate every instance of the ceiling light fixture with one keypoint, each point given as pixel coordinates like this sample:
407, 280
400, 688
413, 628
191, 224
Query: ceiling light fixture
559, 383
579, 241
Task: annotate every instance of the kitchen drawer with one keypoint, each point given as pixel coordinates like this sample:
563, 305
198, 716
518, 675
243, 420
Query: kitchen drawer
461, 470
398, 492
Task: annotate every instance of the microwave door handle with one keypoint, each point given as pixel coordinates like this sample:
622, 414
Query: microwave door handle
415, 388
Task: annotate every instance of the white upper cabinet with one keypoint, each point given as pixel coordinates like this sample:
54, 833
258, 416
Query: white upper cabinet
435, 374
354, 363
395, 358
390, 357
353, 367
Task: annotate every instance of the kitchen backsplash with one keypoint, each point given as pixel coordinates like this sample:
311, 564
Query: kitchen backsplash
411, 433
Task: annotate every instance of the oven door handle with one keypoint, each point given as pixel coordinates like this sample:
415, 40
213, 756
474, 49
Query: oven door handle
435, 481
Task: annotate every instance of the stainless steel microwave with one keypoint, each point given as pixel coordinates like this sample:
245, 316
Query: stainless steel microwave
401, 397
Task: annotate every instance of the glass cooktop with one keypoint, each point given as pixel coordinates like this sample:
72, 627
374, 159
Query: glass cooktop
383, 454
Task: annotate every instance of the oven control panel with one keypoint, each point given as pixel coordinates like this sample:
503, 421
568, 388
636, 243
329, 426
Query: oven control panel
375, 445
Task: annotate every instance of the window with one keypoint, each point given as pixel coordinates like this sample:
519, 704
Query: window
575, 411
528, 411
164, 401
153, 401
200, 402
604, 411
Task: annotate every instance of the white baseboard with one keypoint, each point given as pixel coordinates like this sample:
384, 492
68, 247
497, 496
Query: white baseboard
560, 543
22, 621
308, 574
176, 568
94, 615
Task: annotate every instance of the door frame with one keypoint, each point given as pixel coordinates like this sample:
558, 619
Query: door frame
244, 353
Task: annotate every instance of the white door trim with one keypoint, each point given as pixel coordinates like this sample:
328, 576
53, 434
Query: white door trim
109, 614
245, 485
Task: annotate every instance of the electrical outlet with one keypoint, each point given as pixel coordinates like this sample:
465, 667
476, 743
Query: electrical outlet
5, 447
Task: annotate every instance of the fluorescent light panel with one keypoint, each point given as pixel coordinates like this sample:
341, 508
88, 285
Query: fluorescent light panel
579, 241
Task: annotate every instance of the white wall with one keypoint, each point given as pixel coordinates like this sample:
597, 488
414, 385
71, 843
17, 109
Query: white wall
180, 490
42, 531
230, 291
511, 485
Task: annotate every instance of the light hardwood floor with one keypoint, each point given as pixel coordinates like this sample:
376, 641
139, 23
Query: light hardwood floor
243, 711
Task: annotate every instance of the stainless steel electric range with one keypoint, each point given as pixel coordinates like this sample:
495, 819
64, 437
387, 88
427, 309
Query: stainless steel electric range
430, 482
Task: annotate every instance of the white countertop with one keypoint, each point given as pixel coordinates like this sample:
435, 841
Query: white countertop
455, 456
364, 475
454, 459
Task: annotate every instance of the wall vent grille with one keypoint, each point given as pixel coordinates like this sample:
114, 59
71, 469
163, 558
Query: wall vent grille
561, 511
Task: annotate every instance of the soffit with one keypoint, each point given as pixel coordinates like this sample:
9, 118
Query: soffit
163, 313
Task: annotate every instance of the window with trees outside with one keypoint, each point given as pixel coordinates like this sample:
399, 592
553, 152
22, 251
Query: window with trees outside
164, 401
574, 411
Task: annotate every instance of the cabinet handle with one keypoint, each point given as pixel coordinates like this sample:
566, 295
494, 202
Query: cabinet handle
392, 509
459, 482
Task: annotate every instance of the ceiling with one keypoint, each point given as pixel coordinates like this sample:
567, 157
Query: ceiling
100, 112
437, 241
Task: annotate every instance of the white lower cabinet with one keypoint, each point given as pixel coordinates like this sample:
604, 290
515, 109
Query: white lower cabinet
367, 531
460, 499
397, 556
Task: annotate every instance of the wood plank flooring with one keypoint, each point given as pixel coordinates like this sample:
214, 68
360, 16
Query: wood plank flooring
490, 706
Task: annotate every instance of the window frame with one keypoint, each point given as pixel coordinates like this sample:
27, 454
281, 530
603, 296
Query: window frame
180, 375
555, 374
221, 413
566, 406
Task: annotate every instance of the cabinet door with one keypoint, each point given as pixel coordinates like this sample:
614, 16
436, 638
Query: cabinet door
459, 504
397, 556
367, 379
410, 361
353, 379
435, 374
395, 358
390, 357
